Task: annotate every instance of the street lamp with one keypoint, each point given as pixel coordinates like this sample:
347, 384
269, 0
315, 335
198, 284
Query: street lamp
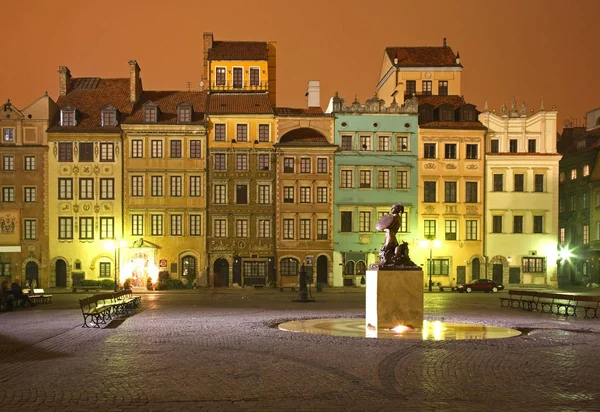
116, 245
429, 243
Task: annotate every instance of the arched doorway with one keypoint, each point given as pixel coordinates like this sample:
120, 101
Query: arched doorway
61, 273
188, 268
475, 269
31, 274
322, 269
221, 273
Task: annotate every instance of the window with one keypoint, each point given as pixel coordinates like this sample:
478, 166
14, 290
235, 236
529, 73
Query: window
241, 194
429, 150
429, 228
494, 146
364, 221
184, 113
67, 117
156, 186
561, 177
288, 165
519, 182
383, 143
597, 199
86, 188
264, 162
573, 174
450, 192
573, 203
264, 194
517, 224
175, 186
157, 228
220, 194
264, 133
426, 87
440, 267
402, 144
86, 228
65, 228
305, 165
304, 229
150, 114
531, 143
561, 205
195, 149
156, 148
220, 228
107, 188
322, 194
105, 271
533, 264
195, 186
562, 234
322, 165
107, 228
241, 162
8, 135
403, 223
450, 229
429, 191
220, 132
30, 163
5, 269
471, 192
220, 76
346, 179
346, 220
498, 182
30, 229
586, 234
288, 194
365, 178
242, 132
383, 179
322, 229
107, 152
411, 87
175, 149
305, 194
346, 142
472, 151
238, 77
65, 188
176, 225
365, 143
264, 228
8, 163
471, 230
137, 149
8, 194
513, 146
288, 267
137, 186
538, 224
401, 179
86, 152
65, 152
496, 224
137, 225
539, 182
241, 228
220, 161
584, 201
288, 228
586, 171
446, 115
443, 88
450, 151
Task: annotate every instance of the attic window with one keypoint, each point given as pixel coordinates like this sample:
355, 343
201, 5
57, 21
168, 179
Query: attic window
468, 115
446, 115
150, 114
108, 116
67, 117
184, 113
425, 115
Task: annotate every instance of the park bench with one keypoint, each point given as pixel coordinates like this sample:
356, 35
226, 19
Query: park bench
101, 307
39, 296
523, 299
589, 304
544, 301
86, 288
94, 311
565, 304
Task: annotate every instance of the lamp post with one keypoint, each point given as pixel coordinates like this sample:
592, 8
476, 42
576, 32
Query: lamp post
116, 246
430, 243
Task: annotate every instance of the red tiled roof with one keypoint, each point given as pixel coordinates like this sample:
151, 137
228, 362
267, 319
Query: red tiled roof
453, 125
239, 50
303, 136
239, 103
436, 101
167, 102
88, 95
299, 112
422, 56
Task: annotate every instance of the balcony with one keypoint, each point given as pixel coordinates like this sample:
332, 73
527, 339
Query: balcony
241, 87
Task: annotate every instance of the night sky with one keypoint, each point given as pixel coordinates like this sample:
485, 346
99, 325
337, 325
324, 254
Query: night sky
521, 48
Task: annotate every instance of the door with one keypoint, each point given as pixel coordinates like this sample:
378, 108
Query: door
61, 273
31, 275
475, 269
221, 273
497, 270
322, 269
514, 275
188, 271
238, 75
461, 275
237, 270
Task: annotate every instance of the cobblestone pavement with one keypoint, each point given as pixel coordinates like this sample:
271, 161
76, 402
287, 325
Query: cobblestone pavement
220, 351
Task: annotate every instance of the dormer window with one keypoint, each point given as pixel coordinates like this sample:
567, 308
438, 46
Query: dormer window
150, 112
184, 113
67, 116
446, 115
425, 114
108, 116
469, 115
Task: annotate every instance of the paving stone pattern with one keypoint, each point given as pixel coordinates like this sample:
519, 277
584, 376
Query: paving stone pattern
219, 351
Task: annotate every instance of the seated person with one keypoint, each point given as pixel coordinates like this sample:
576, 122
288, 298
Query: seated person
18, 294
6, 302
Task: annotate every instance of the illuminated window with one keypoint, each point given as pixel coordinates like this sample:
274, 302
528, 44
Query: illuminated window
157, 225
573, 174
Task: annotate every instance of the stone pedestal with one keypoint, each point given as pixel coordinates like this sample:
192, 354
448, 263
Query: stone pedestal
394, 297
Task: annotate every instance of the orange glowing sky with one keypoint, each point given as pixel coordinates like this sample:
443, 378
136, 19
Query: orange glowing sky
521, 48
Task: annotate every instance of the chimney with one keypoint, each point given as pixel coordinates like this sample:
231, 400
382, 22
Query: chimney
208, 43
314, 93
457, 57
64, 80
135, 82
